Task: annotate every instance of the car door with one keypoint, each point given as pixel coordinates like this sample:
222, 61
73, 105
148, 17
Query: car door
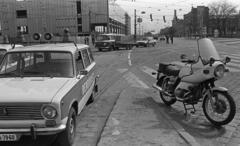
82, 79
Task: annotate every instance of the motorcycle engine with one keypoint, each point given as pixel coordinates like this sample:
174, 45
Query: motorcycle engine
180, 92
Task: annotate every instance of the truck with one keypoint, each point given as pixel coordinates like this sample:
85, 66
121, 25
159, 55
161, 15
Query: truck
111, 42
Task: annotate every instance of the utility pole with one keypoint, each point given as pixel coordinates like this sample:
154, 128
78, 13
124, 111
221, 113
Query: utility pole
135, 26
89, 21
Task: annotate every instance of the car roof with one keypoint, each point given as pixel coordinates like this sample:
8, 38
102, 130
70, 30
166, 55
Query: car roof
70, 47
8, 47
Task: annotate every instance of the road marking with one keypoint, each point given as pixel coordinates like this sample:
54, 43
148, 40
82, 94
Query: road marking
148, 71
122, 70
129, 58
134, 81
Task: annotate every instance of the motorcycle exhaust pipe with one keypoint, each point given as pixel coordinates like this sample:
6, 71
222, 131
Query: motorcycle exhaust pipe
157, 87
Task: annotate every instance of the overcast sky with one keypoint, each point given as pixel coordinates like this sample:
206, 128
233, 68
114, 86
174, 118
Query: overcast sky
158, 8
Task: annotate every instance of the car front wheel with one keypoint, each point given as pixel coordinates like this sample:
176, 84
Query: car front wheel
67, 137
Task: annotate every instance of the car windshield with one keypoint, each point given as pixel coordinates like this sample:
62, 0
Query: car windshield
144, 39
103, 37
2, 53
37, 64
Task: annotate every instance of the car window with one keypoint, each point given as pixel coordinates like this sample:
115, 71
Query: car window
29, 64
2, 53
79, 61
90, 55
86, 59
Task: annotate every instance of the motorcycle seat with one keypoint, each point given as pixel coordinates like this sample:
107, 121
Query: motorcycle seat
168, 69
172, 71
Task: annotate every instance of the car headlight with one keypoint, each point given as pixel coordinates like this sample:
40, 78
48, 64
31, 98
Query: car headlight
49, 112
219, 71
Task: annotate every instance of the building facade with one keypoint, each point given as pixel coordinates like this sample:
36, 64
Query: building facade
81, 17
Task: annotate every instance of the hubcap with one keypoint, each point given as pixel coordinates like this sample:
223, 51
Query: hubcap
220, 106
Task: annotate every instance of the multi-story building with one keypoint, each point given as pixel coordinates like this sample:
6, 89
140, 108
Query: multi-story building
81, 17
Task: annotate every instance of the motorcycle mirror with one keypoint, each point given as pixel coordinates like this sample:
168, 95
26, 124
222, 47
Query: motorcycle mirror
211, 61
183, 56
228, 59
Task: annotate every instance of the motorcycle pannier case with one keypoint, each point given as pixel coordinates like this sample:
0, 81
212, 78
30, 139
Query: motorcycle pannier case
162, 67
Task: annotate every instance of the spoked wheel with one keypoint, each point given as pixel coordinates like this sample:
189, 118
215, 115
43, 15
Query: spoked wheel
168, 100
223, 110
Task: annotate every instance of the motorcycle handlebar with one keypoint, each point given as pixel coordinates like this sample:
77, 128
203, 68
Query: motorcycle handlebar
188, 61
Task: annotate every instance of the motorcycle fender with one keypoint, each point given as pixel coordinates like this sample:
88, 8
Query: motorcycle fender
216, 88
219, 88
160, 80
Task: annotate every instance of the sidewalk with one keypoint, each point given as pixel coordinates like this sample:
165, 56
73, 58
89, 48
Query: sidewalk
137, 120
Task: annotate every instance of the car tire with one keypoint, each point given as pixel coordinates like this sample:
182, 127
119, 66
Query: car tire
67, 137
99, 49
145, 45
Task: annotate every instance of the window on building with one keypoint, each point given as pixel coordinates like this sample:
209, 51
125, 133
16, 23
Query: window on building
79, 28
79, 20
79, 7
23, 29
21, 13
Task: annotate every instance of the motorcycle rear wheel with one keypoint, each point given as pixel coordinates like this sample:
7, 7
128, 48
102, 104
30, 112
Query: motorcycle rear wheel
221, 108
165, 98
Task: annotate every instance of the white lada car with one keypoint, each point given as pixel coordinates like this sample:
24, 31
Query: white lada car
43, 88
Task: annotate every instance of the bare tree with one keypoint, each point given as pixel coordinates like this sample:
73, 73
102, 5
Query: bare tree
219, 11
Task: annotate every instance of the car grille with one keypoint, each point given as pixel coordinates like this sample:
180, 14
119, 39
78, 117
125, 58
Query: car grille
21, 112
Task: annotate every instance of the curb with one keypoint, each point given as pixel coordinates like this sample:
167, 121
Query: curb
181, 131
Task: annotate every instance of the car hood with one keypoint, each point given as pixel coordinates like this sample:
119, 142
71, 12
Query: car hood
19, 90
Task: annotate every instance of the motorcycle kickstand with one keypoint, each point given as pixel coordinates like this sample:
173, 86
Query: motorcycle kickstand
186, 109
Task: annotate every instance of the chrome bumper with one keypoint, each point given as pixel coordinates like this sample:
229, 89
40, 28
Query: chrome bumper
34, 129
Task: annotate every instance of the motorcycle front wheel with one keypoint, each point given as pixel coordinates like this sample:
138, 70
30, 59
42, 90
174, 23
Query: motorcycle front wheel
168, 100
223, 110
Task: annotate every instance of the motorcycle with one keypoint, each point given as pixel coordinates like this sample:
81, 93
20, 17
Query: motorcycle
195, 82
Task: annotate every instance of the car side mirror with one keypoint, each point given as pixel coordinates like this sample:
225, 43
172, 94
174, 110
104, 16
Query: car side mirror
83, 72
183, 56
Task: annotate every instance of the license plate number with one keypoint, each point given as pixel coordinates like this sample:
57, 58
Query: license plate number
8, 137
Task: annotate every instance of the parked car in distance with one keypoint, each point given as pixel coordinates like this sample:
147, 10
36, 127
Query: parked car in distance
44, 88
162, 38
146, 41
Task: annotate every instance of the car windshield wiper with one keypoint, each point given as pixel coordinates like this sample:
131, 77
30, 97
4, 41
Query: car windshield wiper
38, 72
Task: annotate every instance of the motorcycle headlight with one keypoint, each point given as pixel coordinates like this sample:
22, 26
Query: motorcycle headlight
219, 71
49, 112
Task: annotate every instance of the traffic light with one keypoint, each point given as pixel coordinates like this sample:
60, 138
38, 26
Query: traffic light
151, 17
164, 19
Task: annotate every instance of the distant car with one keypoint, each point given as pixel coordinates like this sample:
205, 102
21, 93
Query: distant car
162, 38
155, 38
146, 41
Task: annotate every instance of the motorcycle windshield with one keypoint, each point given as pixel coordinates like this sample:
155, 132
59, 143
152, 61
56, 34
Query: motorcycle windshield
207, 50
